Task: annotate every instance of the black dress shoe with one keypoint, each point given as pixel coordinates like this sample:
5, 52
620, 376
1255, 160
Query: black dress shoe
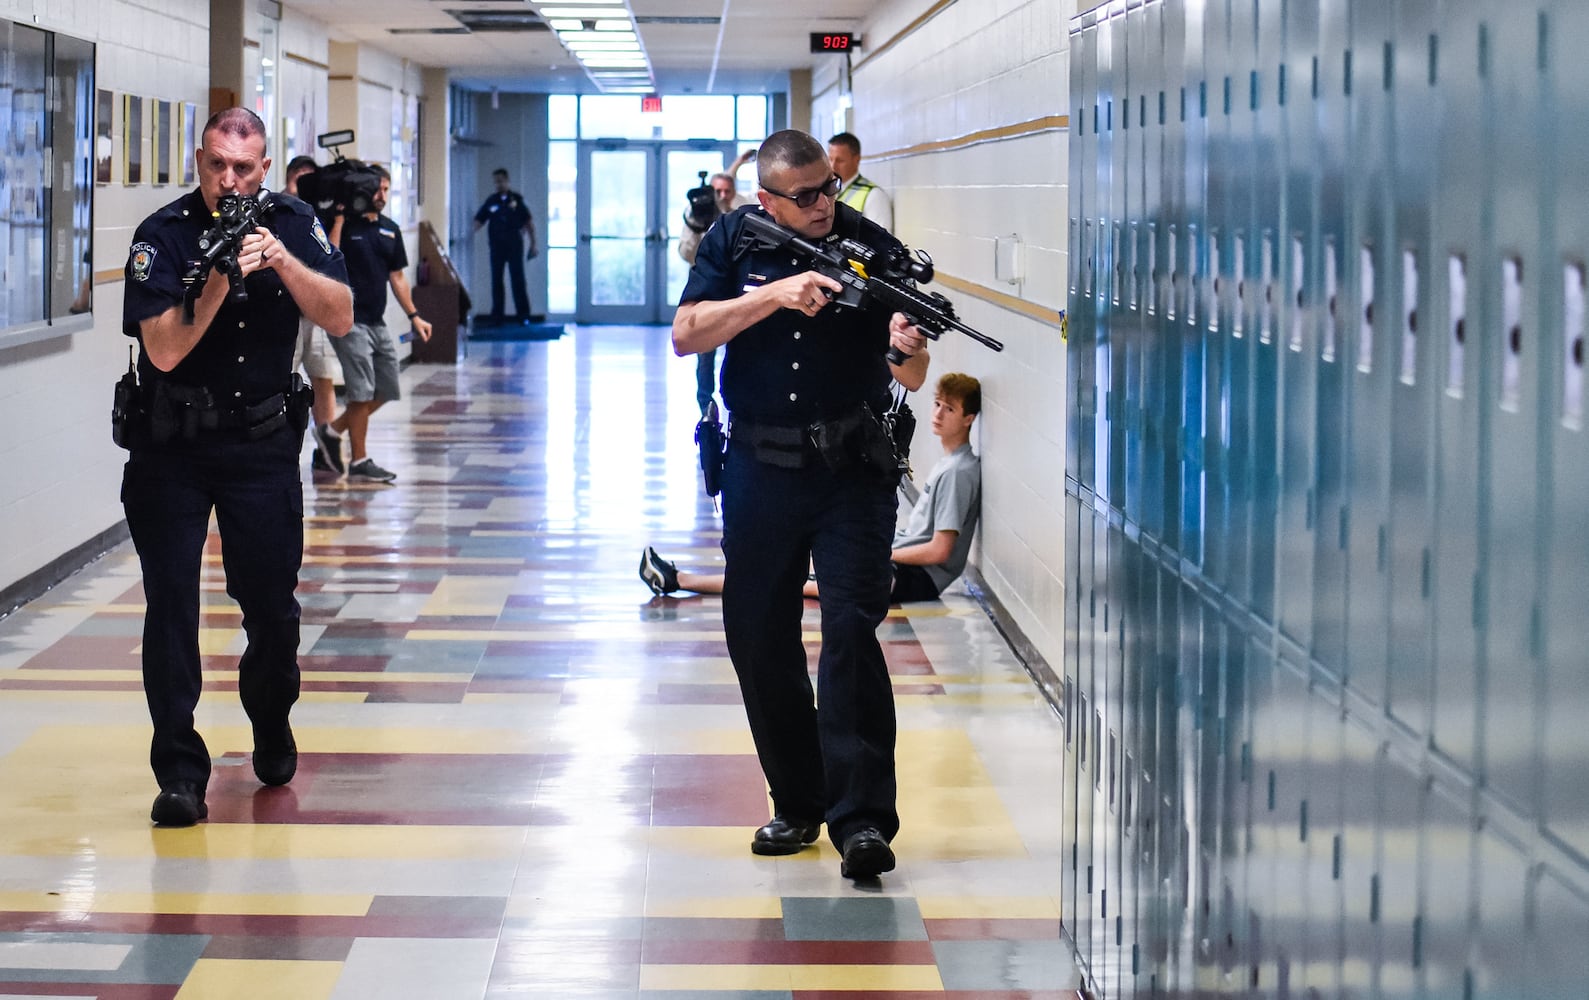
180, 804
866, 854
785, 836
275, 754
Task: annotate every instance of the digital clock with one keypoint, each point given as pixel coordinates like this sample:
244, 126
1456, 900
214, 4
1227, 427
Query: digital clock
834, 41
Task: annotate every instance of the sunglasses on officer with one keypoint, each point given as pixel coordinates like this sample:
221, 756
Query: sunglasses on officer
808, 197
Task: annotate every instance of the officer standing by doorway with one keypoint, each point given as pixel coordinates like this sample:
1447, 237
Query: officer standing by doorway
506, 218
219, 428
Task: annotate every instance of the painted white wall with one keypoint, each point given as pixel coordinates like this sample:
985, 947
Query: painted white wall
977, 66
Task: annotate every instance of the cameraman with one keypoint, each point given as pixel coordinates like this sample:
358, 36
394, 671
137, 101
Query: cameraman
219, 428
315, 355
696, 223
373, 245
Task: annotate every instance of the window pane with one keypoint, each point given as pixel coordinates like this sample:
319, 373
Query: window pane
683, 116
71, 212
753, 117
561, 279
23, 224
562, 176
563, 116
617, 272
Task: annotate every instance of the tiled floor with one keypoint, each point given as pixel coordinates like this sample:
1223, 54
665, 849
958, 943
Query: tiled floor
522, 776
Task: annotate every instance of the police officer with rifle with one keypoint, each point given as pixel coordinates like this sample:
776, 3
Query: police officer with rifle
213, 420
805, 479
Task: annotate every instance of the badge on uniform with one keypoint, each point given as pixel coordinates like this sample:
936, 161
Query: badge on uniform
139, 261
320, 235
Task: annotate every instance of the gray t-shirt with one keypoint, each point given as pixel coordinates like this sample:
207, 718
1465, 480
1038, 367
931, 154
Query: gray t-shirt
950, 500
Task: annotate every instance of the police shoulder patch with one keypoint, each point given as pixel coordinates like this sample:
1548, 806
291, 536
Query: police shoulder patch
139, 261
320, 234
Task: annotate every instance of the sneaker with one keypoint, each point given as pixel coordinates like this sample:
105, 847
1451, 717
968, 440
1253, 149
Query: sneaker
330, 448
659, 574
365, 468
318, 462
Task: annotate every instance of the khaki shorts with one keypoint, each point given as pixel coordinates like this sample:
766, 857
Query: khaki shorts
369, 363
314, 352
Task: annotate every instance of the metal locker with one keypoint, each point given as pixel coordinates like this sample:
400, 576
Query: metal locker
1558, 963
1104, 243
1168, 250
1266, 297
1446, 873
1499, 966
1122, 204
1509, 498
1354, 857
1086, 849
1193, 223
1212, 294
1394, 899
1318, 826
1285, 796
1147, 76
1303, 314
1264, 753
1072, 900
1415, 108
1334, 152
1460, 235
1082, 312
1372, 266
1564, 783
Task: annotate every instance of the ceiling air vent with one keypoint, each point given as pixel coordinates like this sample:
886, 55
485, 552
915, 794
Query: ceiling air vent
460, 30
664, 19
493, 20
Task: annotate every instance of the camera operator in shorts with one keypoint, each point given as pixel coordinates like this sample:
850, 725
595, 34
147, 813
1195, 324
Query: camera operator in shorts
316, 358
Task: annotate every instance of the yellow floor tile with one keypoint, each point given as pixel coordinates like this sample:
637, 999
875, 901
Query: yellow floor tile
239, 979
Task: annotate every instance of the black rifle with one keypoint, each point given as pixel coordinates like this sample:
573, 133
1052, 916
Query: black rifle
236, 215
886, 277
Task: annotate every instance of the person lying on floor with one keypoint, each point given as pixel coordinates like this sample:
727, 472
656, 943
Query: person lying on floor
929, 551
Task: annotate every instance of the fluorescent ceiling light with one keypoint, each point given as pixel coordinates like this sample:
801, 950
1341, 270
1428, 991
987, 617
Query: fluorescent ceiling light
586, 12
567, 37
567, 25
620, 49
596, 60
617, 24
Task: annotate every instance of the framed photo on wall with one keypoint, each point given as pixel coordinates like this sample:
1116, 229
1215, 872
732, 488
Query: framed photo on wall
187, 136
162, 142
132, 139
104, 145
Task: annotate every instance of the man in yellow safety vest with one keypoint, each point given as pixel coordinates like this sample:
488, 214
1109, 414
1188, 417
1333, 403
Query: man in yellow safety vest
859, 193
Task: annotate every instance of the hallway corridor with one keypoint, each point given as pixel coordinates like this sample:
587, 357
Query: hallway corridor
521, 775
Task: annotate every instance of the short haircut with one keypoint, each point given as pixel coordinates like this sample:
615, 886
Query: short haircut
379, 171
723, 176
848, 141
302, 163
964, 389
789, 149
239, 122
500, 172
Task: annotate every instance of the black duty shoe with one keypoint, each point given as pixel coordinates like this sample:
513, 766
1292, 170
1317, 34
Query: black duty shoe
660, 575
275, 754
180, 804
866, 854
329, 449
785, 836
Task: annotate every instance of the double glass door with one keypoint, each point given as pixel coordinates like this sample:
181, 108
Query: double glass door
631, 204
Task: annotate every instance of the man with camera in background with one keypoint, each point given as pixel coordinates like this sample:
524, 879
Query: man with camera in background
316, 356
373, 245
215, 422
717, 197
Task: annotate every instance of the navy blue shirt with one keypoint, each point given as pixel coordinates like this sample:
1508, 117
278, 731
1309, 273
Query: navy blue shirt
505, 215
791, 368
246, 353
374, 250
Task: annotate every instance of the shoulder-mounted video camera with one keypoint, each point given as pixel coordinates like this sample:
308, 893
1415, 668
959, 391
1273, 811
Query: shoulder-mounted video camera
703, 210
349, 183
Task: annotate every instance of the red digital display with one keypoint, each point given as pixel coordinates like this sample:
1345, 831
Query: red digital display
833, 41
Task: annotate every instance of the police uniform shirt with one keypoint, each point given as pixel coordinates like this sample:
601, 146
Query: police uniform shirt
505, 215
374, 250
791, 368
246, 354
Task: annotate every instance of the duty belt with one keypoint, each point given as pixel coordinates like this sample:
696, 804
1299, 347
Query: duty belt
772, 444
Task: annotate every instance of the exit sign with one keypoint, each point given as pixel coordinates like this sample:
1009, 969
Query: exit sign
834, 41
651, 104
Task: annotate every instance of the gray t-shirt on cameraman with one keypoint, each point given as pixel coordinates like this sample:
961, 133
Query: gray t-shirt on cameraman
950, 500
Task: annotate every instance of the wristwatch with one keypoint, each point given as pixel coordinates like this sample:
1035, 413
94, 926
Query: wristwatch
413, 314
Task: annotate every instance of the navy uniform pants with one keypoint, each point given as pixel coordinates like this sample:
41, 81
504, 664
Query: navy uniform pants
256, 493
509, 255
829, 755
